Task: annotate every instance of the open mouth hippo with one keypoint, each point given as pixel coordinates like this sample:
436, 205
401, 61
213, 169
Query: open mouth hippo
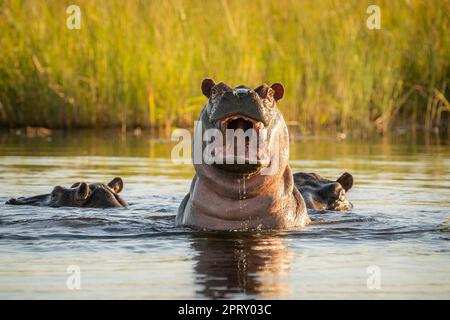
322, 194
80, 194
249, 188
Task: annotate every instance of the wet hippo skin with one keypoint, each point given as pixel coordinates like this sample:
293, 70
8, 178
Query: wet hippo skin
80, 194
247, 195
323, 194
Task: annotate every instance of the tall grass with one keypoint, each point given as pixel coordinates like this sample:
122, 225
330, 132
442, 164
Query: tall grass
140, 63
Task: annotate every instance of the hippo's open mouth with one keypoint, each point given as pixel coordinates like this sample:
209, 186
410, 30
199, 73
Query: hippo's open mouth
236, 122
242, 145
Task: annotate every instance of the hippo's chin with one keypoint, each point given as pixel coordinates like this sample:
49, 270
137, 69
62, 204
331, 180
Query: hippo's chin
240, 169
242, 166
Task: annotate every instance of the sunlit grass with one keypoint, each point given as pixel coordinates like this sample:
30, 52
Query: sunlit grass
140, 63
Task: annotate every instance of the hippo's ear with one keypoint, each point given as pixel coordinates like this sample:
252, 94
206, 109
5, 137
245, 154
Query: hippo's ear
207, 85
346, 181
76, 184
82, 192
278, 91
116, 184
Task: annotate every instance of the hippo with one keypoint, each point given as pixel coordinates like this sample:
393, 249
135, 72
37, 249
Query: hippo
243, 192
323, 194
80, 194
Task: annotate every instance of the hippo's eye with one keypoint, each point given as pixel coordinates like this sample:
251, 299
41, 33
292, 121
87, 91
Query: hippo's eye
270, 94
53, 196
214, 91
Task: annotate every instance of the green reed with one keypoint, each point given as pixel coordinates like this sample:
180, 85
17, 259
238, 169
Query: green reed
140, 63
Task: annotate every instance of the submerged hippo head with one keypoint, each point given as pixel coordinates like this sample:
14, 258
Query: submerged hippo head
323, 194
80, 194
243, 179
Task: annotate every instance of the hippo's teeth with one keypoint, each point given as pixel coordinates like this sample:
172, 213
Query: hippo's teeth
223, 126
258, 125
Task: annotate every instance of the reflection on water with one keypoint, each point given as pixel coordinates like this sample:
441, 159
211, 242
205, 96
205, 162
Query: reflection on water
227, 265
399, 224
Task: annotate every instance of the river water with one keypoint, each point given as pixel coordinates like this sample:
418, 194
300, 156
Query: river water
395, 243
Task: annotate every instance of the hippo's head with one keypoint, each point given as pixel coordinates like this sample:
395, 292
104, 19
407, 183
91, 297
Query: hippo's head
80, 194
252, 129
323, 194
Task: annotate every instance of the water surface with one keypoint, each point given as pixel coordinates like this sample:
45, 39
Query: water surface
398, 232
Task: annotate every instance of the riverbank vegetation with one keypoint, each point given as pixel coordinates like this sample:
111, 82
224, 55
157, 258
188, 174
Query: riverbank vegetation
140, 63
